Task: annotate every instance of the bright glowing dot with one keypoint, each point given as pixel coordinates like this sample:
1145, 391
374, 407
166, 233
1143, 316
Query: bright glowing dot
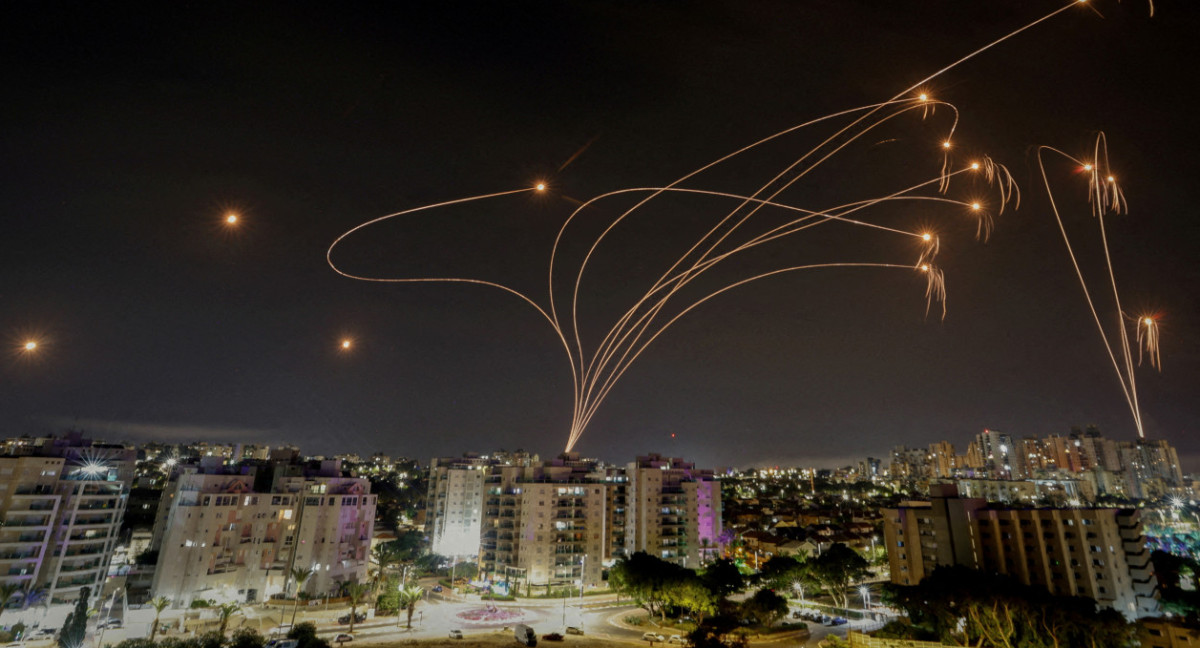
975, 206
1149, 321
541, 186
346, 344
923, 97
924, 267
31, 346
1111, 179
974, 165
926, 237
1087, 167
231, 218
946, 144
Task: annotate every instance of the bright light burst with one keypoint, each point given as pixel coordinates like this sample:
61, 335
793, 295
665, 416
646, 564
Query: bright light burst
596, 367
1105, 197
30, 345
231, 218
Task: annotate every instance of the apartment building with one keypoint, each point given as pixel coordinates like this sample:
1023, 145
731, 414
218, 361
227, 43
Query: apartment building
673, 511
220, 538
549, 524
62, 501
1098, 553
454, 504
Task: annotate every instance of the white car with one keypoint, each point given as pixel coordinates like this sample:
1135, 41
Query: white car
652, 637
456, 634
676, 639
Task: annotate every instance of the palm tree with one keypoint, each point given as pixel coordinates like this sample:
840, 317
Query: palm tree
408, 597
224, 612
356, 592
159, 603
386, 554
33, 597
299, 574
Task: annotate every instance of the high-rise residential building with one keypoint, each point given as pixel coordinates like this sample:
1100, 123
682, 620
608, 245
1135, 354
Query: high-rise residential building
550, 524
62, 502
1151, 467
674, 509
1098, 553
1001, 458
908, 464
222, 538
942, 460
454, 504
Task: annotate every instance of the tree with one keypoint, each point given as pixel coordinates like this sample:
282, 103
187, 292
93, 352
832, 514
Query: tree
723, 578
224, 612
693, 595
33, 597
836, 569
300, 575
74, 628
782, 573
766, 607
246, 638
159, 603
356, 592
386, 555
647, 580
305, 635
407, 599
964, 606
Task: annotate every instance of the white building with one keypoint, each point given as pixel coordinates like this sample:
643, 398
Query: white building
220, 539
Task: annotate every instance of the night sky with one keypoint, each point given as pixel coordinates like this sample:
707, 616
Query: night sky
129, 130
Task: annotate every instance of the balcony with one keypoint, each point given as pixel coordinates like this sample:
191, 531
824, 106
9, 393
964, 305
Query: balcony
80, 568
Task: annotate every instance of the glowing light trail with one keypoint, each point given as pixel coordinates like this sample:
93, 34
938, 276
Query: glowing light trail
1106, 197
595, 374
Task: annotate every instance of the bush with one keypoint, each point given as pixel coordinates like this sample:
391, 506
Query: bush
141, 642
634, 620
210, 640
177, 642
305, 635
246, 638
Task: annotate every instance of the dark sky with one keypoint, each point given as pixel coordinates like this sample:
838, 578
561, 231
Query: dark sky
129, 129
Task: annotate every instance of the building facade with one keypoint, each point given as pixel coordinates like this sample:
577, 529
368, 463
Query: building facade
543, 525
62, 502
222, 539
1098, 553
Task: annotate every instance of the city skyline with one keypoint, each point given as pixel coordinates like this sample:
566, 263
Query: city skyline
157, 319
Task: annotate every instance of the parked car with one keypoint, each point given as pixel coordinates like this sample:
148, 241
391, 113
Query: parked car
456, 634
837, 621
46, 632
438, 588
358, 618
676, 639
343, 636
283, 643
524, 635
109, 623
652, 637
826, 619
798, 614
553, 636
574, 630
